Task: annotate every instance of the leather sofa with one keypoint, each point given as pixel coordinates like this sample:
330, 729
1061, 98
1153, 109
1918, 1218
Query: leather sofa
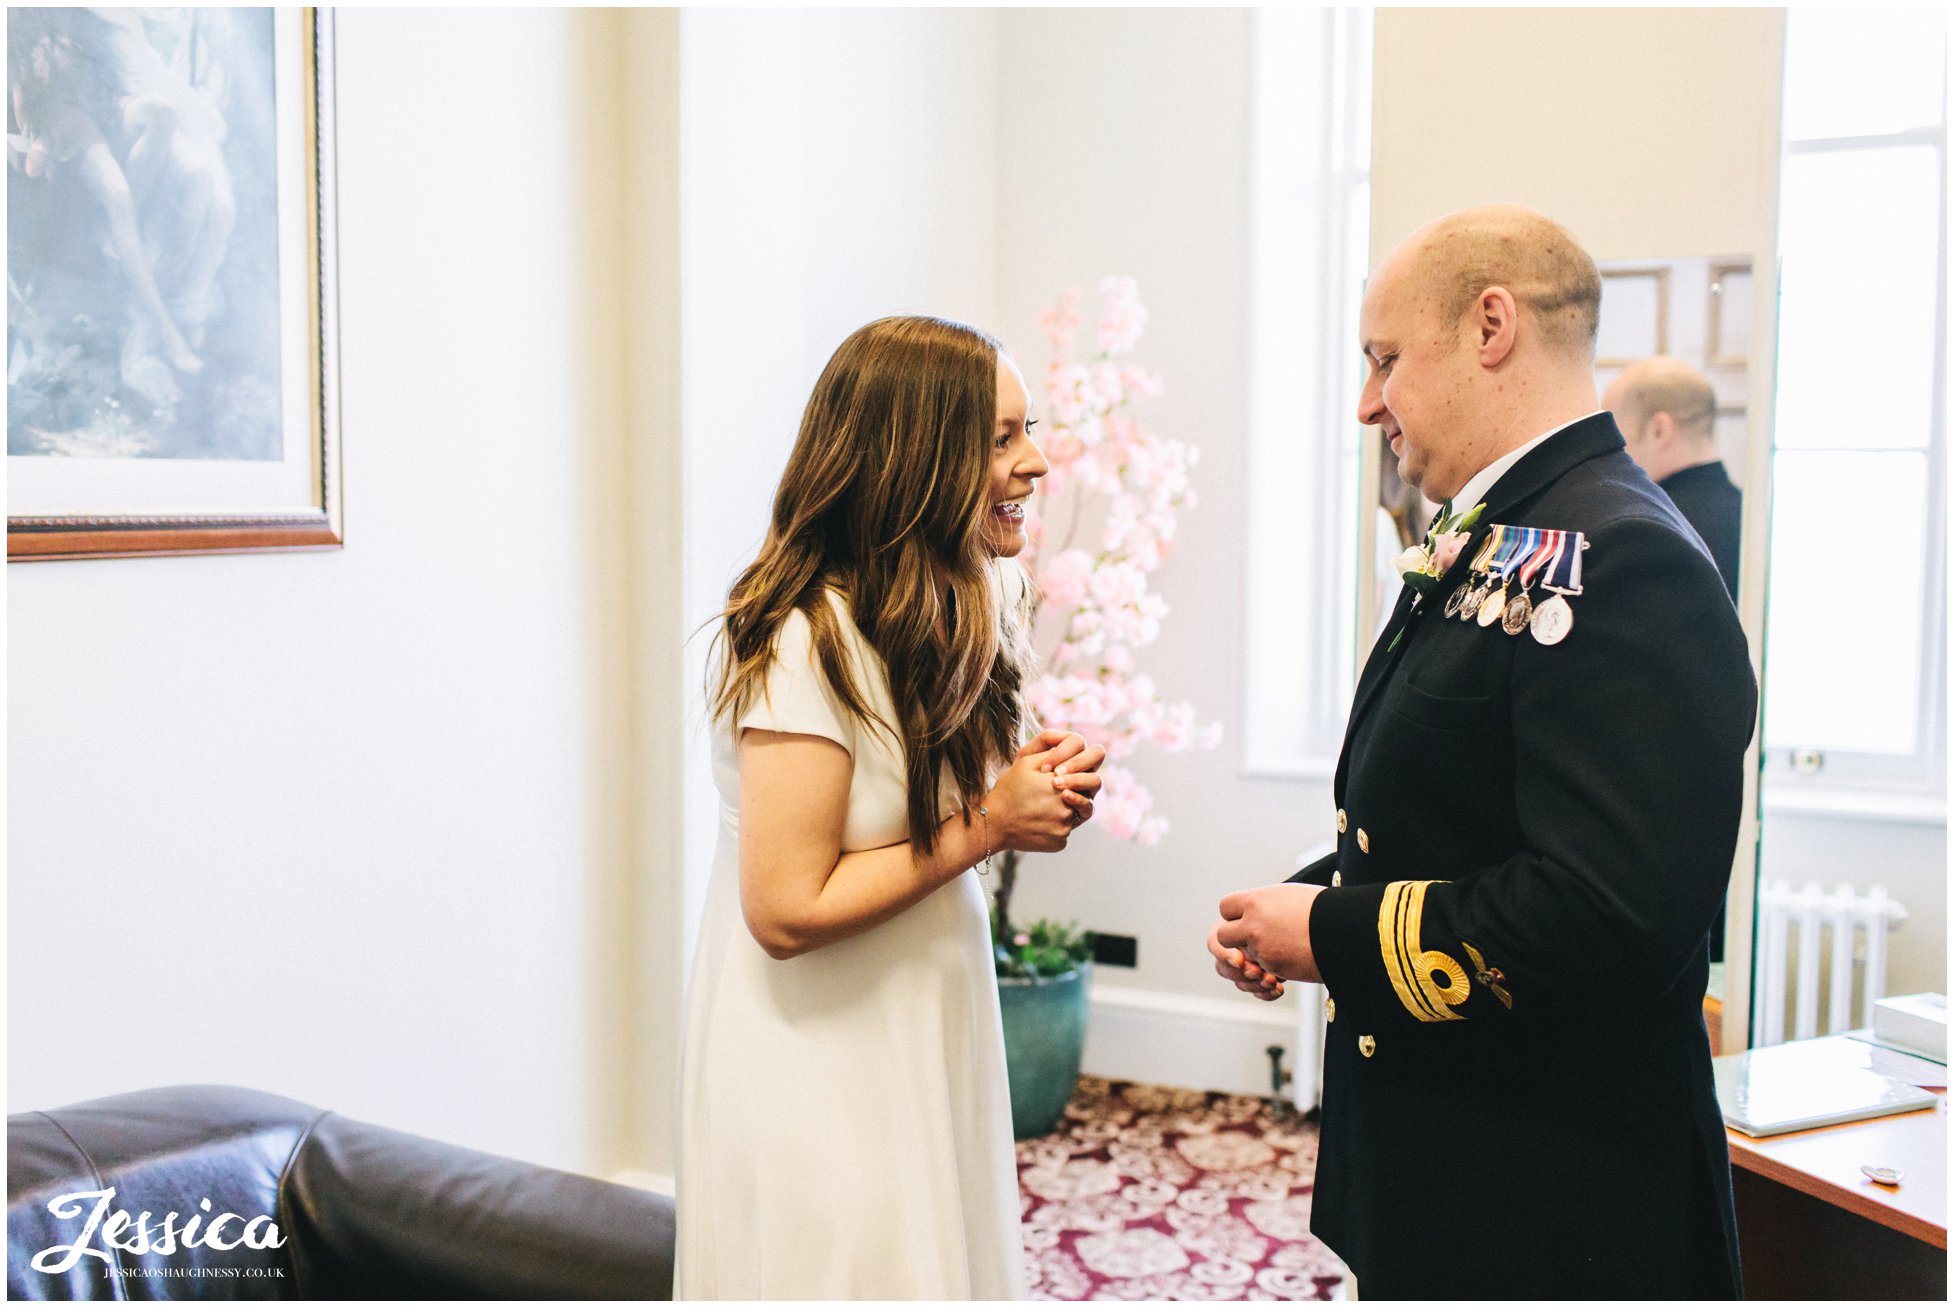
361, 1211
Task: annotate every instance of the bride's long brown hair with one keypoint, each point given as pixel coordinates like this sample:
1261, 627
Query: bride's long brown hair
885, 500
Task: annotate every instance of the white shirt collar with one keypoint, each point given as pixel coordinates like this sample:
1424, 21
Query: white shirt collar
1487, 477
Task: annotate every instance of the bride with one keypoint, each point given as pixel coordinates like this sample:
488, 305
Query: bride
845, 1118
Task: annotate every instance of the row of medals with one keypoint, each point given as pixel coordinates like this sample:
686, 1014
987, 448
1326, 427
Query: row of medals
1486, 602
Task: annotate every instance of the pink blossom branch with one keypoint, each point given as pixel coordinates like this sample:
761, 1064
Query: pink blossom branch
1101, 599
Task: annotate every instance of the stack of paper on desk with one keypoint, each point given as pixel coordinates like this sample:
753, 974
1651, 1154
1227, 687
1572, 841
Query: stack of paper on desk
1808, 1083
1917, 1023
1900, 1064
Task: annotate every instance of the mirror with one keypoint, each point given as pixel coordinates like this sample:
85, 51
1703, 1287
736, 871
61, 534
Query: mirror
1697, 311
1687, 423
1853, 855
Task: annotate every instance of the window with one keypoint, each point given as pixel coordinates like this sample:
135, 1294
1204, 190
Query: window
1309, 246
1855, 656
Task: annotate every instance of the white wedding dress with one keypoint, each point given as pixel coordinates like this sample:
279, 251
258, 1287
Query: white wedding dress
845, 1120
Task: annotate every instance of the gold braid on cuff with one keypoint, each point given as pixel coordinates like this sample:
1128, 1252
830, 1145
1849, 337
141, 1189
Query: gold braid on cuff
1429, 983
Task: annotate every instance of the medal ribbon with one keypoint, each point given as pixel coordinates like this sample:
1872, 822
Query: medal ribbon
1565, 574
1509, 540
1521, 545
1552, 543
1495, 540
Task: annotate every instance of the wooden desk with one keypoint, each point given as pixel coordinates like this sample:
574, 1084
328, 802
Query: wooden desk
1812, 1226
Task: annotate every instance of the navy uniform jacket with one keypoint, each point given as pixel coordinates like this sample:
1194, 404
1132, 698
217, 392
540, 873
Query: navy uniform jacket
1532, 843
1711, 504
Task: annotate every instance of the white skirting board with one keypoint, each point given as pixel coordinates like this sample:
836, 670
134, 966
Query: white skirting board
1157, 1038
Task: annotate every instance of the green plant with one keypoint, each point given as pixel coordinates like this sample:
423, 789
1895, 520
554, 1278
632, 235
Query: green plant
1040, 949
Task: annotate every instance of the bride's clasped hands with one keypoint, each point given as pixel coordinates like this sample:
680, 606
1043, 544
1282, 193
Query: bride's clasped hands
1044, 795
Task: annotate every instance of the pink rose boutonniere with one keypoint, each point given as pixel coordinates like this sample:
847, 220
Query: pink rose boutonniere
1423, 565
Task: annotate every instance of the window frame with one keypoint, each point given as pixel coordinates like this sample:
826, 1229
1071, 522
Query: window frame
1900, 787
1305, 556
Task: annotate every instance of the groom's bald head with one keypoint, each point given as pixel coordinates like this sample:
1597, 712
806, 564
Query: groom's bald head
1455, 259
1479, 329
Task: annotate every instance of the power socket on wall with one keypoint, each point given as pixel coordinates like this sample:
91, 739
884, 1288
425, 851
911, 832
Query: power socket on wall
1115, 951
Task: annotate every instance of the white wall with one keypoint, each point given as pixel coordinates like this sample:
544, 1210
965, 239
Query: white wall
837, 166
641, 932
1131, 157
1646, 131
336, 825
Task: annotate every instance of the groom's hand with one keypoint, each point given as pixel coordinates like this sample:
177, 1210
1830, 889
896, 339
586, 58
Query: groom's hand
1236, 968
1269, 928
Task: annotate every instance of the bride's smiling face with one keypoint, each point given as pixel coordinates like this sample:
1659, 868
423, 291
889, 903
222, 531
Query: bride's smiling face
1016, 463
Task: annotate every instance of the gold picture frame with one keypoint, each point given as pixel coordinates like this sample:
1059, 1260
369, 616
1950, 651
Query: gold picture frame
167, 434
1720, 272
1660, 277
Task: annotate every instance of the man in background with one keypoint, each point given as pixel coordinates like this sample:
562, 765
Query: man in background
1667, 412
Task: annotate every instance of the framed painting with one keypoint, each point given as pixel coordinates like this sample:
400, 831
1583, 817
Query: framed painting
1635, 315
172, 336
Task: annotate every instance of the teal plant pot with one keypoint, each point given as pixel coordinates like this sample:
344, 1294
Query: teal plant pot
1044, 1038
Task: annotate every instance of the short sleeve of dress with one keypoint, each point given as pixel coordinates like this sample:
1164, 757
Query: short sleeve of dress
797, 696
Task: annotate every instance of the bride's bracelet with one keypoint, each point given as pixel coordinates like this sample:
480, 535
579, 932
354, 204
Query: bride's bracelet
984, 813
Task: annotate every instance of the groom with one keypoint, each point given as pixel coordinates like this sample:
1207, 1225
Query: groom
1538, 801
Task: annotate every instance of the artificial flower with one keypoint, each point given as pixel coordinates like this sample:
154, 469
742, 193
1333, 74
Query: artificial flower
1422, 566
1100, 602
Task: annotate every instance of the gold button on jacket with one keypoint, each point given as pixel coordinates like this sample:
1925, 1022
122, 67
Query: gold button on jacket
1367, 1045
1329, 1010
1343, 822
1336, 879
1363, 840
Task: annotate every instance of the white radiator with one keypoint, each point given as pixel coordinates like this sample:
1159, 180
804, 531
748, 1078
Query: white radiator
1796, 930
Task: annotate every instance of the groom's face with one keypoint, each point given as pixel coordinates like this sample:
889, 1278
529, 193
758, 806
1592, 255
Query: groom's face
1419, 388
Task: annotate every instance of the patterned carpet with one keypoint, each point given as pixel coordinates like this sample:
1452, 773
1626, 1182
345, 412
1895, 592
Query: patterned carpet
1147, 1193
